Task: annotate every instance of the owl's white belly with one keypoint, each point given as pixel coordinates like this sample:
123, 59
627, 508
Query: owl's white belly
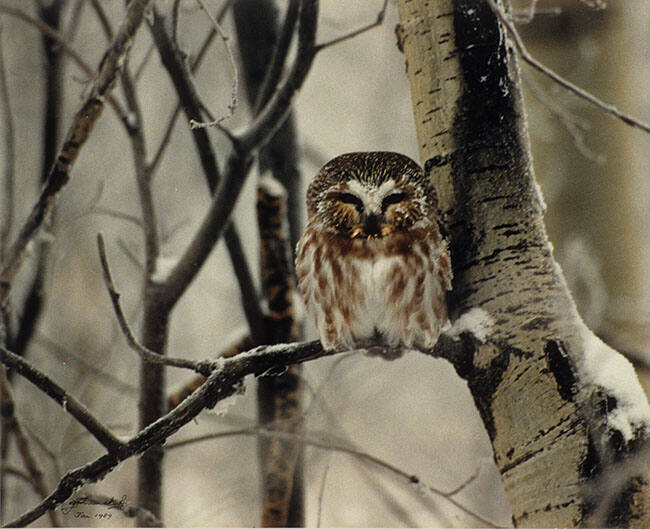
356, 302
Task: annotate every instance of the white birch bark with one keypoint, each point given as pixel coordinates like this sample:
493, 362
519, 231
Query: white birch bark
568, 421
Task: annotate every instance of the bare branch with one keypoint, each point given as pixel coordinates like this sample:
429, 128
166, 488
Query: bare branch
115, 214
172, 120
191, 104
235, 74
189, 100
280, 52
11, 422
175, 398
77, 136
271, 116
224, 381
239, 162
570, 122
10, 158
359, 31
58, 38
146, 354
142, 174
104, 22
59, 395
581, 93
145, 61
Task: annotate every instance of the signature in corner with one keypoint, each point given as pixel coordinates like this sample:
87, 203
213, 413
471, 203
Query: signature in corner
108, 503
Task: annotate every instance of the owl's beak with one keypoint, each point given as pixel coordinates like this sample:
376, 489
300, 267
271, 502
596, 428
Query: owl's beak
372, 225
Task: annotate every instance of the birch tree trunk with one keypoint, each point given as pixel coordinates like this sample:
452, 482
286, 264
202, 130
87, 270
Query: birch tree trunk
568, 421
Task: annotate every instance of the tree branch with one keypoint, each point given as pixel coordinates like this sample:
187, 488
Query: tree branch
359, 31
224, 381
11, 422
8, 176
225, 378
235, 75
63, 398
146, 354
172, 58
272, 114
581, 93
239, 162
61, 41
77, 136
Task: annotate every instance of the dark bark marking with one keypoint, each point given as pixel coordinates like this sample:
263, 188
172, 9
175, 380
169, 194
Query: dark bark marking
435, 161
539, 322
520, 460
483, 383
508, 233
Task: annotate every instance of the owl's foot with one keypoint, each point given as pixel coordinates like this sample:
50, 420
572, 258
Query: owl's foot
386, 352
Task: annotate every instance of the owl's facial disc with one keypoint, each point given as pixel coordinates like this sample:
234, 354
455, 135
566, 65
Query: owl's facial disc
364, 211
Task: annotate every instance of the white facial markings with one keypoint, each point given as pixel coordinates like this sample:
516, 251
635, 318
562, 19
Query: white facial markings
370, 196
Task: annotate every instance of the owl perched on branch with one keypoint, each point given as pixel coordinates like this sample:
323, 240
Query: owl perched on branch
372, 265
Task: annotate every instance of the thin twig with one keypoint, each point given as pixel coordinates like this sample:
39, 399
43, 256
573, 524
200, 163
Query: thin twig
78, 134
115, 214
58, 38
142, 174
10, 420
164, 142
581, 93
145, 61
235, 74
410, 479
359, 31
100, 376
174, 116
144, 353
224, 380
263, 127
10, 158
568, 120
74, 19
63, 398
104, 22
278, 60
321, 492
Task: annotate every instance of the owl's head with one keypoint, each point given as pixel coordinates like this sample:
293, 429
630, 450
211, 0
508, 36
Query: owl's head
370, 195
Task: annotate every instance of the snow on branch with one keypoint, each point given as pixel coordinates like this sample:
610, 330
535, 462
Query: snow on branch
605, 369
475, 321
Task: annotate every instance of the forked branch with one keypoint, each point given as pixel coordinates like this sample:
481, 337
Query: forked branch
77, 136
581, 93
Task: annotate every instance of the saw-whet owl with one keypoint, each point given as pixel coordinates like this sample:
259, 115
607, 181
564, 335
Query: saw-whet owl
373, 267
